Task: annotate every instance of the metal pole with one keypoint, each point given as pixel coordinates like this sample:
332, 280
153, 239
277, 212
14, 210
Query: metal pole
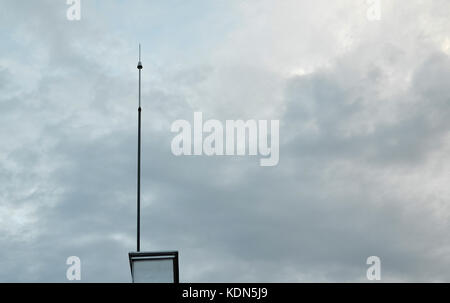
139, 66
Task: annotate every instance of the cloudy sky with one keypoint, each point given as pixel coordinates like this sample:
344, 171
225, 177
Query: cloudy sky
364, 166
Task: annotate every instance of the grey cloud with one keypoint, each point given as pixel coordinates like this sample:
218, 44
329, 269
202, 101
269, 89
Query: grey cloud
348, 137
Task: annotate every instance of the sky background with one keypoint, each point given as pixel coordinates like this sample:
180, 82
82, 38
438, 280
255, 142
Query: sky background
364, 166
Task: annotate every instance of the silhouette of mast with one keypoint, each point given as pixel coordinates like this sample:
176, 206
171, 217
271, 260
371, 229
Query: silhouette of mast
139, 67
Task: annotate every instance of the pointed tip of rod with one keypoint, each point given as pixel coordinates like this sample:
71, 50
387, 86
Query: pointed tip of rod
139, 66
